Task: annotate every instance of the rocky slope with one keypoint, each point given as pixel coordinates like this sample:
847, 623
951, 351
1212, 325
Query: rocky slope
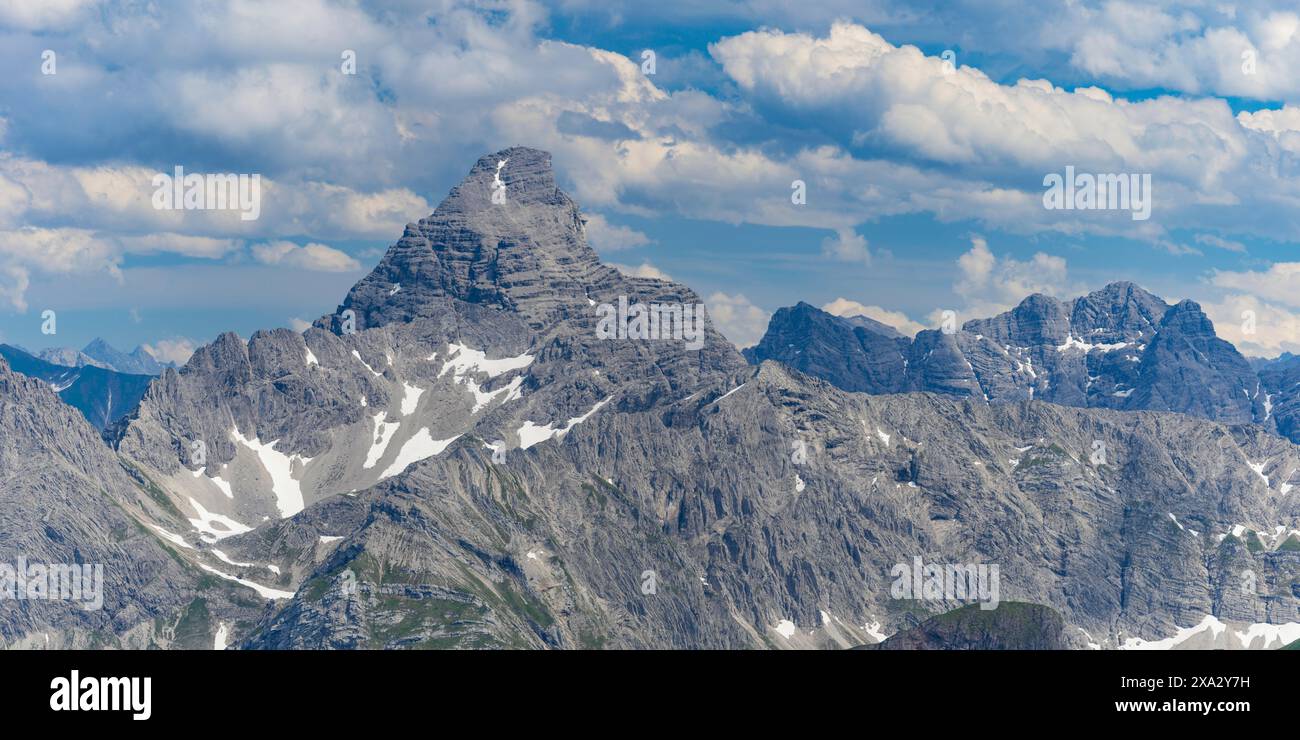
67, 501
750, 549
500, 317
455, 459
1280, 387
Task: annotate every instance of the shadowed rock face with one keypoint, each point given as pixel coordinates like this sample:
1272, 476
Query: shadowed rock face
1190, 370
475, 467
1013, 626
859, 353
1279, 380
1119, 347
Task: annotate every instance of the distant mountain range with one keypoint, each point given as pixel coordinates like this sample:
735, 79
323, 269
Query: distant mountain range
100, 381
102, 354
1119, 348
102, 395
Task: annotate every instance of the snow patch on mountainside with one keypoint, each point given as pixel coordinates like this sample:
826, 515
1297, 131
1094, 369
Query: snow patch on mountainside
374, 372
263, 591
216, 480
483, 398
1072, 343
873, 628
213, 527
410, 398
728, 393
1212, 633
417, 448
223, 557
462, 360
287, 490
1259, 470
531, 434
175, 539
383, 434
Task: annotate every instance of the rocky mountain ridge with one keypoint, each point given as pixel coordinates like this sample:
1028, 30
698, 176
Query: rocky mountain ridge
457, 458
99, 353
1119, 347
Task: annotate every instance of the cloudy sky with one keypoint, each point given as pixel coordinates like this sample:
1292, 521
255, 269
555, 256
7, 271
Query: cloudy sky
922, 132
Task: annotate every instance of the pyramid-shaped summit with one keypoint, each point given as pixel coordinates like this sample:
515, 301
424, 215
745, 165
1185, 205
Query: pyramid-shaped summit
526, 175
506, 237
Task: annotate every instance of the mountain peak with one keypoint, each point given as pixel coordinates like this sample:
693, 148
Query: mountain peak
506, 237
806, 311
1120, 312
1187, 319
1121, 292
509, 245
98, 345
1190, 370
1187, 316
138, 362
525, 175
1038, 319
857, 352
1120, 287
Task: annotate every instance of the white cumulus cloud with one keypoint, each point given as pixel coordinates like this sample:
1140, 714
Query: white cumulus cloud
176, 350
847, 246
897, 319
737, 318
644, 270
990, 284
306, 257
606, 237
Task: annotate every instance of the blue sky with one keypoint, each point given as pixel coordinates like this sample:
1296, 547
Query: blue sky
924, 179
